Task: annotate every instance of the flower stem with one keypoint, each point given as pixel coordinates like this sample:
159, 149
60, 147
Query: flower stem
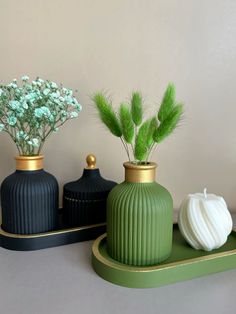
126, 147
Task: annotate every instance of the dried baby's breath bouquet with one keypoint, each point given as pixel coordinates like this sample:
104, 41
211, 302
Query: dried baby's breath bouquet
31, 111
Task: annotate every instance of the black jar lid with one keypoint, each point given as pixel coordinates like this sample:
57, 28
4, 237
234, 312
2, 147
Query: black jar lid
91, 186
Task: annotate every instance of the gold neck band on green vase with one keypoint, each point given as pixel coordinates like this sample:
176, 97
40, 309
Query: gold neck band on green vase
29, 163
143, 173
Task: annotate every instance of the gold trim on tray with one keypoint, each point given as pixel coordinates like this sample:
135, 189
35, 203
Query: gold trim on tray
96, 253
45, 234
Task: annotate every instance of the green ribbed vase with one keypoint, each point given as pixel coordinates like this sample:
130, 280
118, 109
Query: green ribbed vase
139, 218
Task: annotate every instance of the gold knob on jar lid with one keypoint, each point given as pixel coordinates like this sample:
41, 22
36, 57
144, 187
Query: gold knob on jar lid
91, 161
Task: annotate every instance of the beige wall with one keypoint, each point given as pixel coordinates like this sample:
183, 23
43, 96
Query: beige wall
121, 45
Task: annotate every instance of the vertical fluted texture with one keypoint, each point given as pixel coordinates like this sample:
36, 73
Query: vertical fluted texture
139, 223
84, 200
29, 201
78, 212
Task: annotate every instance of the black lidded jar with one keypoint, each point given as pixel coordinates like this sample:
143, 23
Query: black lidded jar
84, 200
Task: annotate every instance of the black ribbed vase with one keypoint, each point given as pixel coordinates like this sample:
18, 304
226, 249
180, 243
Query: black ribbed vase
29, 198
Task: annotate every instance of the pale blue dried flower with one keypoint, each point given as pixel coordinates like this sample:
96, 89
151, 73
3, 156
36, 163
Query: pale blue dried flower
69, 100
34, 142
20, 112
42, 111
11, 120
78, 107
24, 78
38, 112
40, 80
67, 91
31, 97
14, 104
46, 91
53, 85
24, 105
1, 127
28, 87
13, 85
46, 111
74, 114
55, 95
18, 91
21, 135
75, 101
57, 101
63, 113
51, 118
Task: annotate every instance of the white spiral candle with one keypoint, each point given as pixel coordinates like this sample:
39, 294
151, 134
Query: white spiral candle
205, 221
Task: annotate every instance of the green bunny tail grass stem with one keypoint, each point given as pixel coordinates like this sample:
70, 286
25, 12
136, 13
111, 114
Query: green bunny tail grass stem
107, 114
169, 124
141, 145
152, 128
126, 122
137, 108
167, 103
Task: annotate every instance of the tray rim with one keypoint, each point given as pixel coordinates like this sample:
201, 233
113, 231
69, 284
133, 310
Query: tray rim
49, 233
159, 267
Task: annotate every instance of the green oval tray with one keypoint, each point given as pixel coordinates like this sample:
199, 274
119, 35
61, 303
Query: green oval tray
184, 263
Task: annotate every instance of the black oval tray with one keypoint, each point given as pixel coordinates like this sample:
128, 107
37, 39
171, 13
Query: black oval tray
58, 237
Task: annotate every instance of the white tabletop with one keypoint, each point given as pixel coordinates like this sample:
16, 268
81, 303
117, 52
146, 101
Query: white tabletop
61, 280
